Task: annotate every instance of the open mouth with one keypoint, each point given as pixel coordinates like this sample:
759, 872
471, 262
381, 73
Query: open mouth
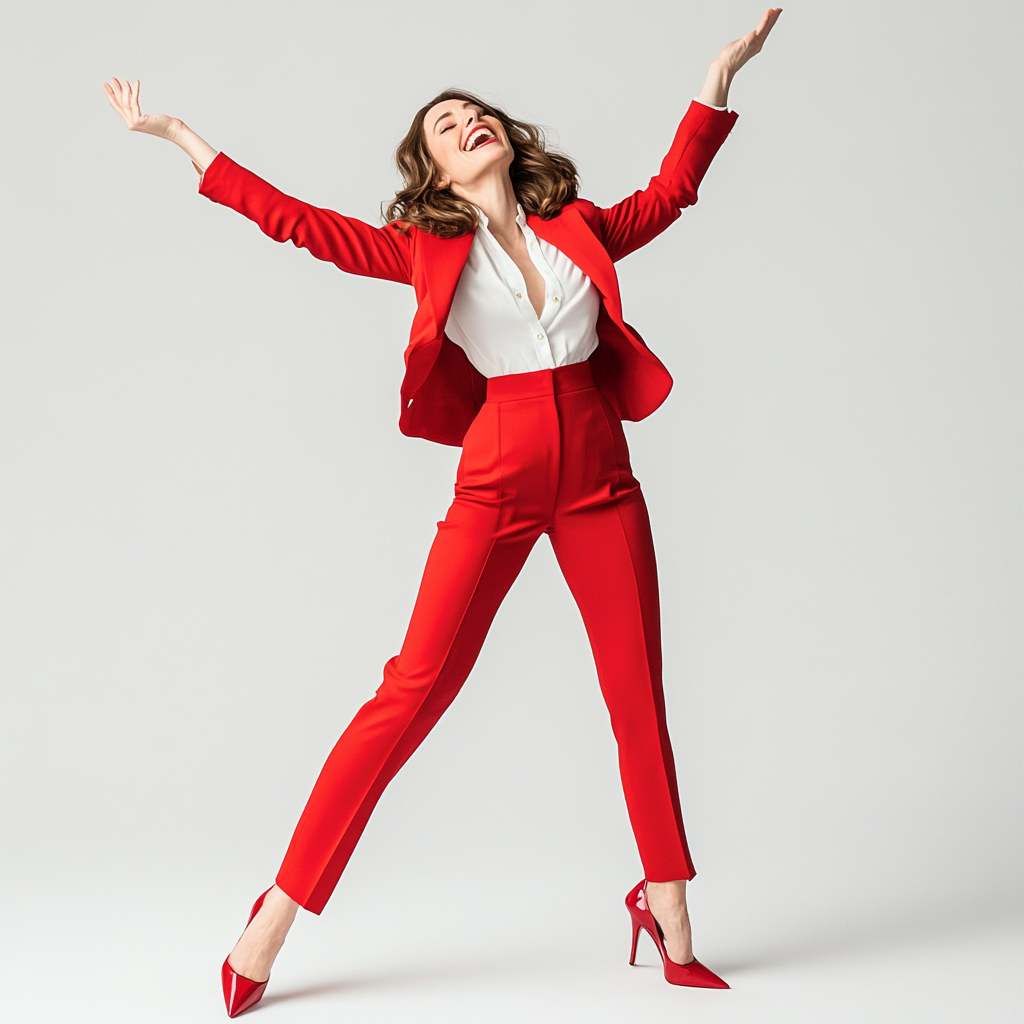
478, 137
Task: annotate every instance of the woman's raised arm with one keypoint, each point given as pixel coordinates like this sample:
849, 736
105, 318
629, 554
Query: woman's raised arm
628, 225
124, 98
348, 243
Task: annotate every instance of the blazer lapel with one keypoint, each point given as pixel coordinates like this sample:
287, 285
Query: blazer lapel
570, 233
443, 260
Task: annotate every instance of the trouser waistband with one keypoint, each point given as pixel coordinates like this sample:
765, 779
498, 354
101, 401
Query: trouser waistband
516, 386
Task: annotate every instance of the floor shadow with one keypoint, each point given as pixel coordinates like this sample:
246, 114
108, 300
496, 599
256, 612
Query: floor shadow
425, 974
895, 931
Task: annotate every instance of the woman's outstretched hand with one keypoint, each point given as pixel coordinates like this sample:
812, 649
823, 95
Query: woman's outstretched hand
124, 98
733, 57
738, 52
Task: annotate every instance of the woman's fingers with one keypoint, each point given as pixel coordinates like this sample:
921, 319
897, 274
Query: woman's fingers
111, 99
124, 98
753, 42
739, 52
116, 91
116, 98
767, 23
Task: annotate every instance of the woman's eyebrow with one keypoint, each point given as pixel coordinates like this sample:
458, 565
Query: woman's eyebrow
447, 113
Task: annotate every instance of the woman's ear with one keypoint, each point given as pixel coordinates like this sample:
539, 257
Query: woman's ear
443, 183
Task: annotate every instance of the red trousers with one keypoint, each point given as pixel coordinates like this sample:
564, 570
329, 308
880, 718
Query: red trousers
545, 454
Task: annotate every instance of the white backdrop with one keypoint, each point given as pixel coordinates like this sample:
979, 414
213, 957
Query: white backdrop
213, 531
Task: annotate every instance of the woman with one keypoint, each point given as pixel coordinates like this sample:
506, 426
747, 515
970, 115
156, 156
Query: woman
519, 353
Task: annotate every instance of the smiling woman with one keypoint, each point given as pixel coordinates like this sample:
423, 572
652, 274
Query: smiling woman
543, 181
520, 354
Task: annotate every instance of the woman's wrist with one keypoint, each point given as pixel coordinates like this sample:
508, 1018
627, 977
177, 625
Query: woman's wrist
201, 152
173, 130
716, 86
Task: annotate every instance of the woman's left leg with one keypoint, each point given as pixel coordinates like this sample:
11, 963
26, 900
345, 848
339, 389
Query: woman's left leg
601, 536
607, 558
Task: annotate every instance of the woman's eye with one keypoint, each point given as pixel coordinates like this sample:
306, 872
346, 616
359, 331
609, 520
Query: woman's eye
449, 128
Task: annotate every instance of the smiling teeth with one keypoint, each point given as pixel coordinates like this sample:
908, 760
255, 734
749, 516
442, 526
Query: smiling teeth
476, 136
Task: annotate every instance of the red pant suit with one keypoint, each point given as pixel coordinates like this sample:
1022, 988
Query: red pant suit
543, 452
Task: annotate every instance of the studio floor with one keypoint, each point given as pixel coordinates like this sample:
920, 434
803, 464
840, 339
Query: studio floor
454, 955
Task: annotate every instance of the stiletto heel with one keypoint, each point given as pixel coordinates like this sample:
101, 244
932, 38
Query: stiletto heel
636, 939
693, 974
241, 993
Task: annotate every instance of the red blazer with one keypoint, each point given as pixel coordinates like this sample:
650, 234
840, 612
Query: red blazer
442, 391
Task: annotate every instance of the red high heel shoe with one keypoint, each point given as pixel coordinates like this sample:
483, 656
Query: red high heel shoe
693, 974
240, 992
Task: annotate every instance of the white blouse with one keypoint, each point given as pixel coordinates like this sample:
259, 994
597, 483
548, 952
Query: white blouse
494, 322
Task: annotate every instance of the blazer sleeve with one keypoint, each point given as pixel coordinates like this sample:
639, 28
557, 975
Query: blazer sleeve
635, 221
352, 245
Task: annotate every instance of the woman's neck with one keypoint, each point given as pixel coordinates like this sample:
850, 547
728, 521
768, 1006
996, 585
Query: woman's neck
496, 197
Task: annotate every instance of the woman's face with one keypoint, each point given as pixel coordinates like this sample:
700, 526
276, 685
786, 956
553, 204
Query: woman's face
466, 144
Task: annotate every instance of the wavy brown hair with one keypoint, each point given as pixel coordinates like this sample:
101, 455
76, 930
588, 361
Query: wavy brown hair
543, 180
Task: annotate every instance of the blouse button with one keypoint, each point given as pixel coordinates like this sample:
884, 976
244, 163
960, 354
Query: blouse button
556, 298
540, 337
519, 295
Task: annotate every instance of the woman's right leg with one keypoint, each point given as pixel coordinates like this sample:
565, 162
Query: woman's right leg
472, 564
504, 493
473, 561
499, 511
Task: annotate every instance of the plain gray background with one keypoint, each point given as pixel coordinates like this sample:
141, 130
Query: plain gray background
213, 531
